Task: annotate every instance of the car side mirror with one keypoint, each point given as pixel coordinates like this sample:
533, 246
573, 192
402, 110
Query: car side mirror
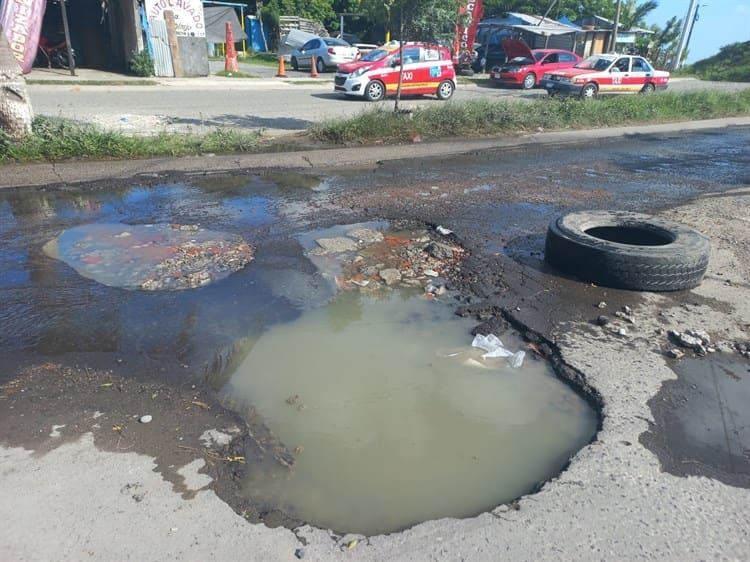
396, 62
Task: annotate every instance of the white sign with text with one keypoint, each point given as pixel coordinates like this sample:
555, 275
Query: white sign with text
188, 15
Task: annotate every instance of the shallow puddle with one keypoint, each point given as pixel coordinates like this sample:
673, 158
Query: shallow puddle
702, 419
393, 418
150, 256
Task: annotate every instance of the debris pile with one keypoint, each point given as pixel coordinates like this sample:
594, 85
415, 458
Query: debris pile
370, 261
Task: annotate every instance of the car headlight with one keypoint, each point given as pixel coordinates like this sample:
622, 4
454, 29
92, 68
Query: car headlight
360, 71
513, 69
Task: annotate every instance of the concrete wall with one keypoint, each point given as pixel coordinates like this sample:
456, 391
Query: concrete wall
194, 55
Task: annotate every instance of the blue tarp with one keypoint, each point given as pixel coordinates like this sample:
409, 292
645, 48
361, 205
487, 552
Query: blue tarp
257, 34
565, 21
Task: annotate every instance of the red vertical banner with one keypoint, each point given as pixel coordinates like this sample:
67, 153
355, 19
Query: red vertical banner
21, 21
465, 34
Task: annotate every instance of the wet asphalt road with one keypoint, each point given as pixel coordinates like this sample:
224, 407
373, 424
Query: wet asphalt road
495, 201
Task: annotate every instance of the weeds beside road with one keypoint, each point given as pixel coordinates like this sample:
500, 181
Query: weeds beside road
58, 139
508, 117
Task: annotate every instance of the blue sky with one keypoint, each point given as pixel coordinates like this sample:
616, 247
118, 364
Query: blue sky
720, 23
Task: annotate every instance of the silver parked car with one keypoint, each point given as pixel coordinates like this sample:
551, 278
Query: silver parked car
328, 52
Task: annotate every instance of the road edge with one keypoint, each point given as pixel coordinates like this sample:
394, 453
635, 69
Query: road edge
72, 172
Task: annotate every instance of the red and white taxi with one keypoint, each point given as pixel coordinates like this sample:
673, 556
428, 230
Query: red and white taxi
428, 69
606, 74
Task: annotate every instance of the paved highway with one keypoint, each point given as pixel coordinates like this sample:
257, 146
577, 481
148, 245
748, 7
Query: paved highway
275, 105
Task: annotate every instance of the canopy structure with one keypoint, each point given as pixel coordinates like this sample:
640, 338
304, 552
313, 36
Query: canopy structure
217, 14
216, 18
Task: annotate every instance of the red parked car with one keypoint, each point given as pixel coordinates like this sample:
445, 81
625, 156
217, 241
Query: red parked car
525, 67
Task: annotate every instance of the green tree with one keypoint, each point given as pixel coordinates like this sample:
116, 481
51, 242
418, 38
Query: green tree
661, 46
572, 9
423, 20
633, 14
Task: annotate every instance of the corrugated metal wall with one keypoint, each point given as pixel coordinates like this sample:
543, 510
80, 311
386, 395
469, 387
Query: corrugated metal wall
162, 54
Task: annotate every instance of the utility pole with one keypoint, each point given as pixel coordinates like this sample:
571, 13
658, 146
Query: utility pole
686, 27
613, 40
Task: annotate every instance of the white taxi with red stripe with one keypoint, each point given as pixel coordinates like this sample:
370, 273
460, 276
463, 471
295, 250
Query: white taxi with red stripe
427, 69
606, 74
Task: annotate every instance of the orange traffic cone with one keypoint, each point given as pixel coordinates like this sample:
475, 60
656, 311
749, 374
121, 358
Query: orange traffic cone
230, 57
313, 68
281, 73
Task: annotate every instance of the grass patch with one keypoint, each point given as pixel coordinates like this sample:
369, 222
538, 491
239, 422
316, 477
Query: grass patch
498, 117
238, 74
53, 140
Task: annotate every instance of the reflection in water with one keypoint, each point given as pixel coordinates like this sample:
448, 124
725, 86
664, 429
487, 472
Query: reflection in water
46, 307
394, 419
150, 256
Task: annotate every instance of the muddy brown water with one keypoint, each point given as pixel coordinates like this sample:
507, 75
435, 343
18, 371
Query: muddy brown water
393, 417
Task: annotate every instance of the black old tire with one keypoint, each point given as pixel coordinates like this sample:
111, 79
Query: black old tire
627, 250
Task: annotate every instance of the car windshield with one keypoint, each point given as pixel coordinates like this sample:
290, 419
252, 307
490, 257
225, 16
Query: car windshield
376, 55
595, 63
521, 60
538, 55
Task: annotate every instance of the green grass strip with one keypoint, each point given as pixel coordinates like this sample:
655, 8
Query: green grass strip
57, 139
504, 117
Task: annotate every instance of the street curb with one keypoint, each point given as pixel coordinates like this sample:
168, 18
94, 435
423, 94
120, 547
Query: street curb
72, 172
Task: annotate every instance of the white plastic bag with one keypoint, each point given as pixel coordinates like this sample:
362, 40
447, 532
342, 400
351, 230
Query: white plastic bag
495, 348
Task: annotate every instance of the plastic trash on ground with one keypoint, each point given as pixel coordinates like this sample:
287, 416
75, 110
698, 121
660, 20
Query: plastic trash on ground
495, 348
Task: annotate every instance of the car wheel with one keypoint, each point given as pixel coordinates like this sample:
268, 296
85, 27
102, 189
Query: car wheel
295, 64
375, 91
648, 88
627, 250
320, 66
445, 90
589, 91
529, 81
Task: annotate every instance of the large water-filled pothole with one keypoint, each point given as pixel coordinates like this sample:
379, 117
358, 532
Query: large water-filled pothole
388, 415
381, 412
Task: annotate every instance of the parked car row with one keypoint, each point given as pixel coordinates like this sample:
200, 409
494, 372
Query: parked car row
429, 69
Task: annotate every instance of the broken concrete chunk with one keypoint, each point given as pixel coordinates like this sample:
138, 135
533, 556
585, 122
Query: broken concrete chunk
440, 250
390, 276
366, 235
337, 245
